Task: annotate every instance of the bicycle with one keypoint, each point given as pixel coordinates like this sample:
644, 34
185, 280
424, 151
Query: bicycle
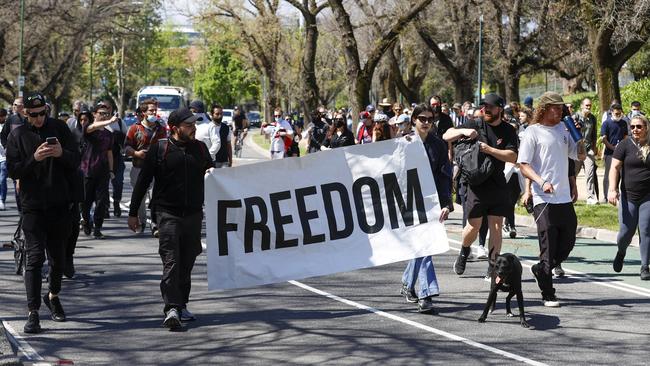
239, 143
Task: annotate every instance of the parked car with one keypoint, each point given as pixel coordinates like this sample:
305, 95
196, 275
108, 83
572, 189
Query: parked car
254, 118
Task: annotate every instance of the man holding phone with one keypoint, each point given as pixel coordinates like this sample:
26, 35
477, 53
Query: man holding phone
43, 155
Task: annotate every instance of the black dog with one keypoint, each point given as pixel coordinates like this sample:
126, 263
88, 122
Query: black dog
506, 277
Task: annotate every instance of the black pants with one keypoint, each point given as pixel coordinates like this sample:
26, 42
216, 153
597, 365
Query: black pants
44, 230
95, 191
71, 242
179, 245
514, 192
556, 230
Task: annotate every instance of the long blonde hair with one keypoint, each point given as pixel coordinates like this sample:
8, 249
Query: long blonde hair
644, 147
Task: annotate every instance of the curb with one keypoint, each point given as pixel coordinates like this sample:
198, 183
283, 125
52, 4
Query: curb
7, 355
249, 142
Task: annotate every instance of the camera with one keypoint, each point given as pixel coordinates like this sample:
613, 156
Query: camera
529, 206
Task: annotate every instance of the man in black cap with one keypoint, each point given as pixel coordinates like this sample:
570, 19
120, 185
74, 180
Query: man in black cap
178, 166
498, 140
43, 155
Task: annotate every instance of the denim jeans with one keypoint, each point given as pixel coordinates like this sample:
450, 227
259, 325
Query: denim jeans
421, 269
3, 181
631, 215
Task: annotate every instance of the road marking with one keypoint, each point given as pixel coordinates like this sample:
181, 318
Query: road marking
21, 344
584, 277
426, 328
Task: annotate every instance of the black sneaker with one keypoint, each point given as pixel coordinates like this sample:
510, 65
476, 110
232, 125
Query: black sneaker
97, 234
87, 229
33, 324
426, 305
513, 232
618, 261
645, 273
55, 307
117, 210
534, 269
408, 294
172, 320
461, 261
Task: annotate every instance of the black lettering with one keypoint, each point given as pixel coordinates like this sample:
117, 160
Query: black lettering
250, 225
224, 227
280, 220
305, 215
376, 204
348, 223
413, 193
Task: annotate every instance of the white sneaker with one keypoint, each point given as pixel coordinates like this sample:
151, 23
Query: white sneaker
551, 302
2, 206
172, 320
186, 315
558, 271
481, 252
592, 201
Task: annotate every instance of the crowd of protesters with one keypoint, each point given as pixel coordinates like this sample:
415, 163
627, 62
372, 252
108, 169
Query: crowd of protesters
63, 169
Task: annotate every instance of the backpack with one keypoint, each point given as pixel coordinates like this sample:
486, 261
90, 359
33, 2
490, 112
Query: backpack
475, 167
163, 149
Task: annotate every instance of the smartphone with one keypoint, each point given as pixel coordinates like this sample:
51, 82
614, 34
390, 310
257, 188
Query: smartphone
52, 140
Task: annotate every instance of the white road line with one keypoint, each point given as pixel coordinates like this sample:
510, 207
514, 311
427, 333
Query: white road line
426, 328
21, 344
581, 276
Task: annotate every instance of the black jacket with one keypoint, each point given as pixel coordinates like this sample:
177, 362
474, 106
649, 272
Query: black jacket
178, 172
14, 121
346, 139
46, 184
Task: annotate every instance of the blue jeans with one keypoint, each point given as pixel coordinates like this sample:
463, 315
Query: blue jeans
421, 269
631, 215
3, 181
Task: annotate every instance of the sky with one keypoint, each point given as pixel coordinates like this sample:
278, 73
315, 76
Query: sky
175, 11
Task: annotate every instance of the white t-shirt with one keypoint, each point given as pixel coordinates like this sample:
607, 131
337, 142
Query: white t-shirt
209, 134
547, 150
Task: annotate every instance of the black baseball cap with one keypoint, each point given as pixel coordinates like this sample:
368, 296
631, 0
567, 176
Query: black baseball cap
493, 99
34, 100
181, 115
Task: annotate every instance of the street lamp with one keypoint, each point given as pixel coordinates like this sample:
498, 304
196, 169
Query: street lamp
21, 78
480, 61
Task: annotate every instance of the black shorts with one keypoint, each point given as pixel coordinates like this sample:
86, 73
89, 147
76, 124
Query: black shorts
495, 202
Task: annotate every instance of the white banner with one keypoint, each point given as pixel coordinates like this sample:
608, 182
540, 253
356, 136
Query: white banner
333, 211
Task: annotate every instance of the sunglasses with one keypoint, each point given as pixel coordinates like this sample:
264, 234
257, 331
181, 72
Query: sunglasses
277, 115
37, 114
587, 105
104, 114
637, 127
425, 119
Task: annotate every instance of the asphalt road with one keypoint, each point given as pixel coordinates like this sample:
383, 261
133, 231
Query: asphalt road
115, 312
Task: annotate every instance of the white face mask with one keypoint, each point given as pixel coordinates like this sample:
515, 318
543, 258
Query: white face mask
152, 119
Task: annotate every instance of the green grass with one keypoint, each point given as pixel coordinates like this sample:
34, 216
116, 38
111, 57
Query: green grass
599, 216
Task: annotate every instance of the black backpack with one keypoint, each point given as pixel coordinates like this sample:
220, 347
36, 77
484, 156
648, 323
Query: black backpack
475, 167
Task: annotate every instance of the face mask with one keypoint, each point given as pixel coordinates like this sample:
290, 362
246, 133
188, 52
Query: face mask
339, 123
277, 119
401, 127
152, 119
616, 119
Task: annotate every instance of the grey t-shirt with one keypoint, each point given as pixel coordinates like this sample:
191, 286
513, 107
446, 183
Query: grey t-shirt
547, 149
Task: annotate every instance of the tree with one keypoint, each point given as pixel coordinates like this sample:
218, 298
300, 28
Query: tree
309, 10
450, 31
223, 78
616, 30
258, 25
360, 77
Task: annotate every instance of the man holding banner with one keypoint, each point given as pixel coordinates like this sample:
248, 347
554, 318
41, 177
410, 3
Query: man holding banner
422, 269
178, 166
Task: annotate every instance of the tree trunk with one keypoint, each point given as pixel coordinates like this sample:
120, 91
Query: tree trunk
309, 85
607, 85
512, 87
463, 88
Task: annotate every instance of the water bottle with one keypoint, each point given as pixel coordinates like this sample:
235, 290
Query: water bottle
571, 126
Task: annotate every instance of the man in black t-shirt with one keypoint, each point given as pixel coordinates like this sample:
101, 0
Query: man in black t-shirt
490, 197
